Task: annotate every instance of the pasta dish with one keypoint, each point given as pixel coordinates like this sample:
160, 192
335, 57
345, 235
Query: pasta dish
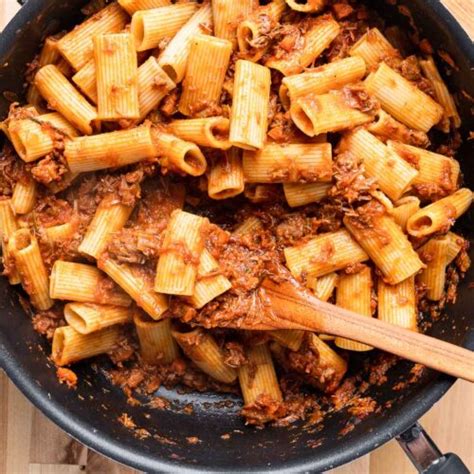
170, 156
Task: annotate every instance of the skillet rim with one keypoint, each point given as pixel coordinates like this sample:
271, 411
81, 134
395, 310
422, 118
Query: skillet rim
106, 445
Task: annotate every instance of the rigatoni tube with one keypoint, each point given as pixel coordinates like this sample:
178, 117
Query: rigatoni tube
227, 15
157, 345
212, 132
76, 46
373, 48
226, 178
306, 5
258, 377
384, 241
132, 6
205, 73
117, 77
84, 283
138, 284
149, 27
402, 99
203, 350
153, 85
321, 80
109, 150
210, 282
354, 292
404, 208
320, 34
434, 170
109, 217
324, 254
8, 225
86, 318
435, 255
63, 97
252, 30
23, 248
440, 215
316, 114
249, 118
24, 195
35, 137
292, 163
297, 194
393, 174
290, 338
71, 346
441, 92
397, 303
180, 254
175, 56
179, 155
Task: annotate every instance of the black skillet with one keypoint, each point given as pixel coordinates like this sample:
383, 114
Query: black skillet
90, 413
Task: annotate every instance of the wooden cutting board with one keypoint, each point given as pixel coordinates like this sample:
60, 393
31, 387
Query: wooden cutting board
31, 444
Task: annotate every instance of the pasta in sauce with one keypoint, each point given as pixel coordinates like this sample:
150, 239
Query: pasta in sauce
172, 155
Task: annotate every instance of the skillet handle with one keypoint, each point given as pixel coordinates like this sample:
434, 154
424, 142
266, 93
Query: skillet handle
425, 455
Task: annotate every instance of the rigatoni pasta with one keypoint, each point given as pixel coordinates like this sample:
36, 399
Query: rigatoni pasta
393, 174
117, 77
205, 73
440, 215
149, 27
157, 344
373, 48
249, 121
132, 6
83, 283
109, 217
137, 284
175, 57
76, 46
321, 80
297, 194
180, 255
403, 100
63, 97
180, 155
258, 378
203, 350
384, 241
23, 248
24, 196
324, 254
71, 346
317, 114
227, 15
212, 132
292, 163
438, 175
319, 35
226, 177
397, 303
109, 150
354, 292
87, 318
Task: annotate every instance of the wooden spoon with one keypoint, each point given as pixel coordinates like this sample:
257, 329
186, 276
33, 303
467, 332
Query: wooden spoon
291, 306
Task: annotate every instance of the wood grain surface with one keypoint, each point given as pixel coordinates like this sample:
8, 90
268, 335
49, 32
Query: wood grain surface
31, 444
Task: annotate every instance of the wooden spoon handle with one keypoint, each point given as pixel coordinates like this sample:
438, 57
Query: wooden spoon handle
291, 306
